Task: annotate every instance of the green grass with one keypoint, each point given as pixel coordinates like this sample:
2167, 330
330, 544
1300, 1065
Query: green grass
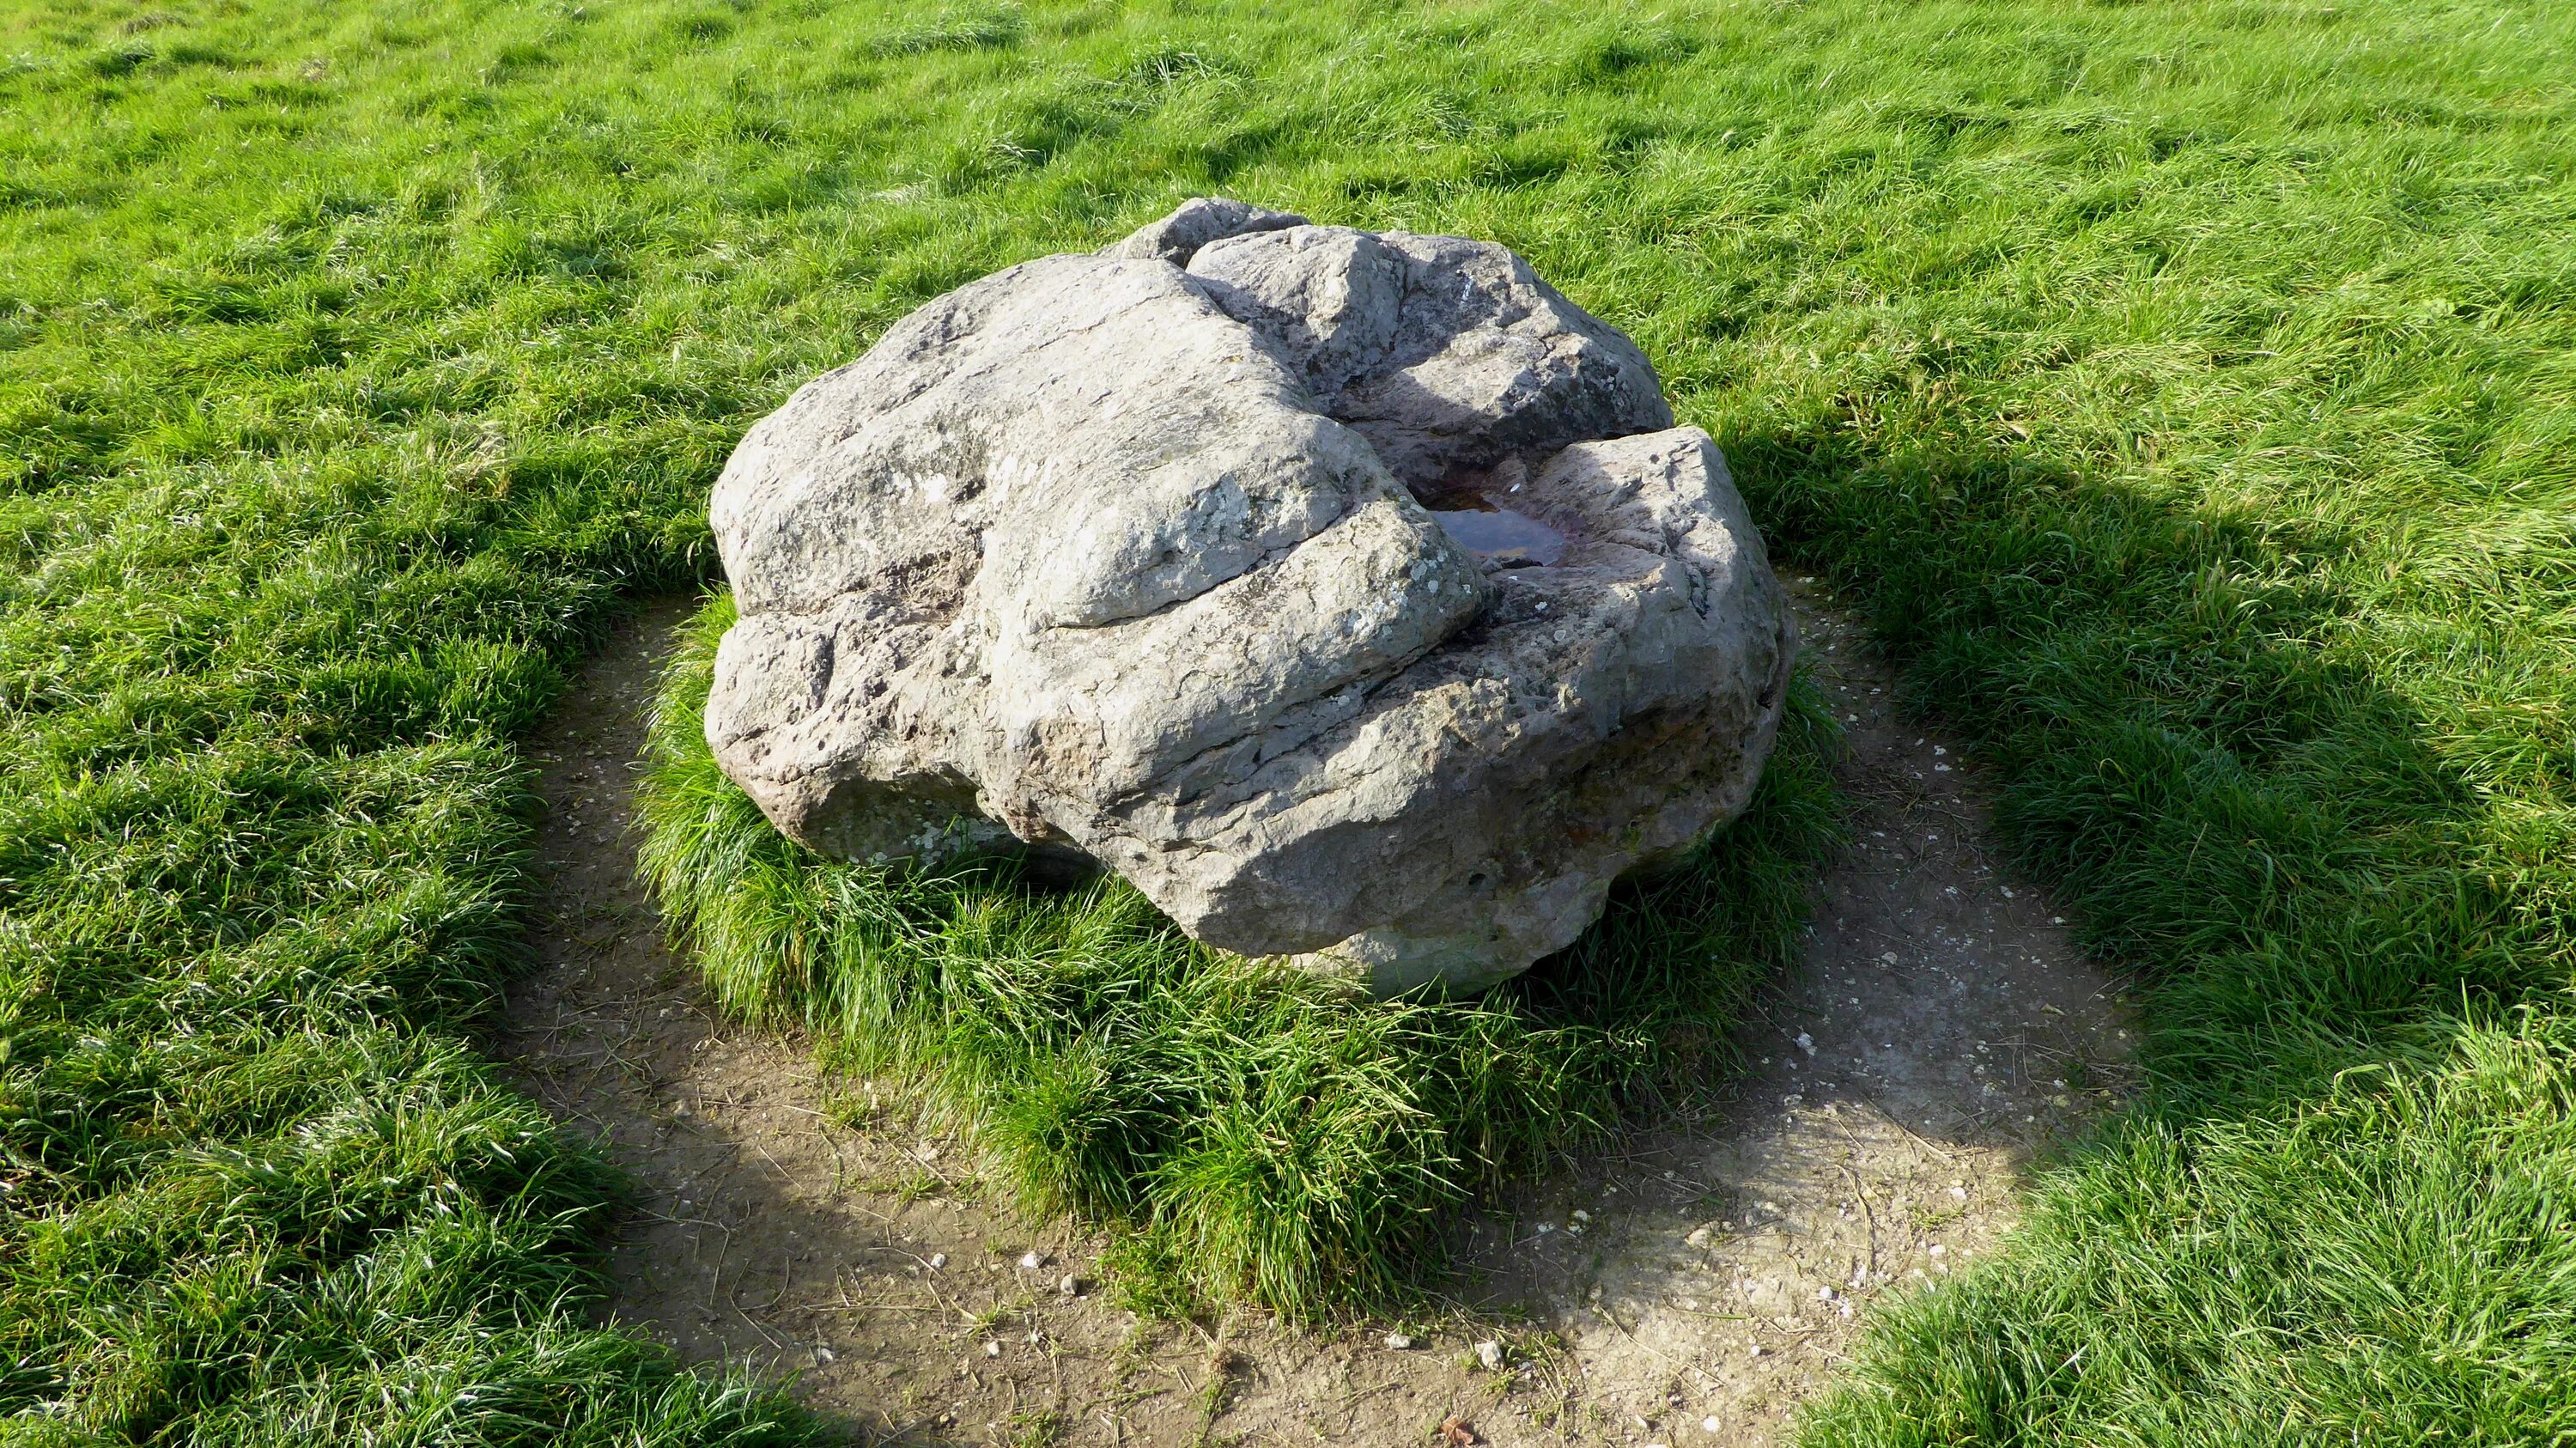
2186, 388
1257, 1133
2392, 1262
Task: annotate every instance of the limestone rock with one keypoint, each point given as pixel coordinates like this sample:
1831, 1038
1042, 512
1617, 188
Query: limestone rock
1177, 237
1352, 594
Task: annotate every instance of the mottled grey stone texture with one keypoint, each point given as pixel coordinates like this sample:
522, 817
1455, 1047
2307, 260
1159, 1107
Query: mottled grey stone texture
1213, 558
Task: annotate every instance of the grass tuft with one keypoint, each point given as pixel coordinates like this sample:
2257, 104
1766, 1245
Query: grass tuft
955, 30
1259, 1134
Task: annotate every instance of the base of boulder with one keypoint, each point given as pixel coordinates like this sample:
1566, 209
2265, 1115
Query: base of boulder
1352, 594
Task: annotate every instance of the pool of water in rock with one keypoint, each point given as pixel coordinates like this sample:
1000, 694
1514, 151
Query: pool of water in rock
1503, 536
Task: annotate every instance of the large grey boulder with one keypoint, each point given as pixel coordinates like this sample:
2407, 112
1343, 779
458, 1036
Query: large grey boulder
1352, 594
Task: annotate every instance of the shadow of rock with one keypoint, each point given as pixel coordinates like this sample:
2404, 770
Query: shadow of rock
2200, 742
1940, 1030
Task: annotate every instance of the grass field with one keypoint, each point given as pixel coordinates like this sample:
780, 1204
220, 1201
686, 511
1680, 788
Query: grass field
2188, 390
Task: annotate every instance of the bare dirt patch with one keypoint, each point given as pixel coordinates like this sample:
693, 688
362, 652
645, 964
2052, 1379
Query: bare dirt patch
1689, 1287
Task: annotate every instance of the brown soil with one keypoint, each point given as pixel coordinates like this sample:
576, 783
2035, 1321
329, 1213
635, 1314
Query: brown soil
1688, 1288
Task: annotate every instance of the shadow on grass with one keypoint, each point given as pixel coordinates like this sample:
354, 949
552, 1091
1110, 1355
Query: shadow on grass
2257, 826
2352, 949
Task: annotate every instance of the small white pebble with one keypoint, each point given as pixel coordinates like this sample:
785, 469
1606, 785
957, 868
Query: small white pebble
938, 1260
1032, 1260
992, 1349
1399, 1342
1490, 1355
1712, 1424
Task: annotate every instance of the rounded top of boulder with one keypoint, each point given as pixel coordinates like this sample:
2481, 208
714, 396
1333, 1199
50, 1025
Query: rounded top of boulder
1196, 222
1134, 555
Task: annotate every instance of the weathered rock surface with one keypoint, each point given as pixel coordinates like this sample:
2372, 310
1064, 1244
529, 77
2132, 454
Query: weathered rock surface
1352, 594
